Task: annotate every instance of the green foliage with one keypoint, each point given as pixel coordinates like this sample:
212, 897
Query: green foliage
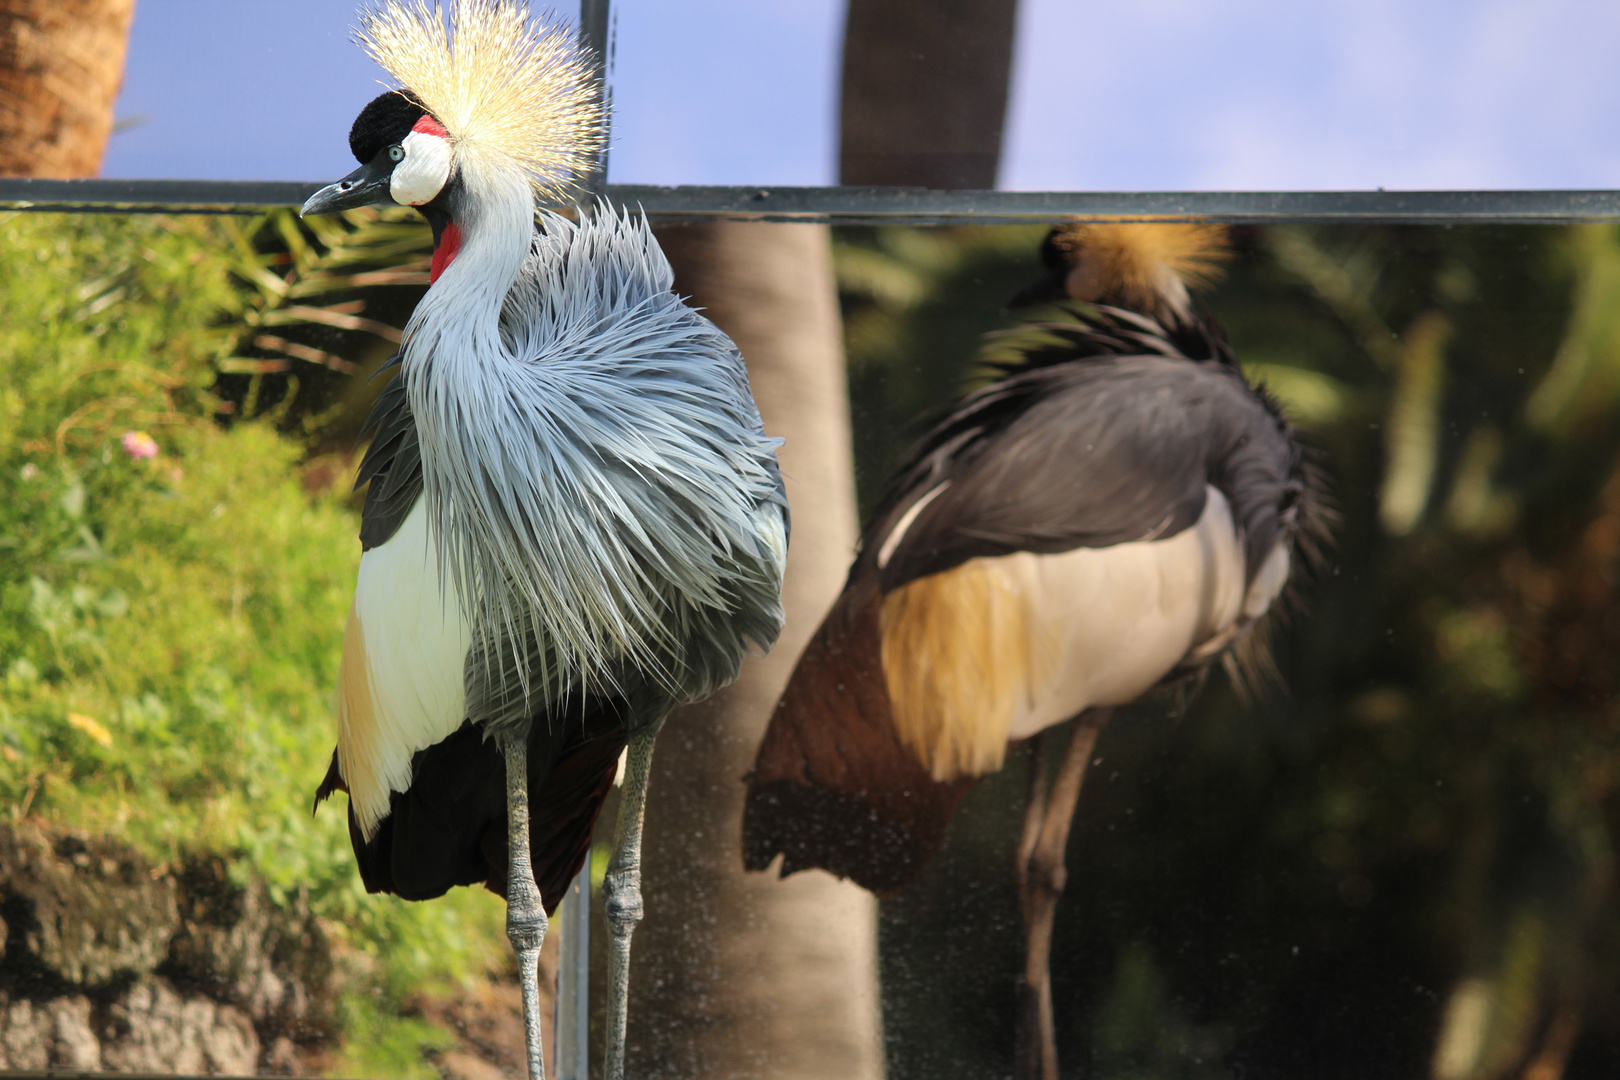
322, 300
394, 1050
915, 304
170, 625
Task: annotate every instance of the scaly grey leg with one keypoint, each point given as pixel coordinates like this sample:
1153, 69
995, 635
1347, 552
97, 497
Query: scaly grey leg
525, 914
621, 894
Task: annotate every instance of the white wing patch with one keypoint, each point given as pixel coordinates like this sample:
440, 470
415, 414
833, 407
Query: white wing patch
898, 533
401, 689
1268, 582
774, 532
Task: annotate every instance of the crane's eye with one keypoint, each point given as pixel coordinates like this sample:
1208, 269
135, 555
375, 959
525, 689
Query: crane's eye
396, 153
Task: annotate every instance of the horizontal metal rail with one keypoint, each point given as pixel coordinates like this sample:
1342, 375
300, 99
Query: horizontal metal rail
894, 206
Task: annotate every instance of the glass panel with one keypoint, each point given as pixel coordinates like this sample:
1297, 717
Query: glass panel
258, 90
1393, 859
1389, 862
727, 92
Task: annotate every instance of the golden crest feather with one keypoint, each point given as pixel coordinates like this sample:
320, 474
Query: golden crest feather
1135, 264
508, 88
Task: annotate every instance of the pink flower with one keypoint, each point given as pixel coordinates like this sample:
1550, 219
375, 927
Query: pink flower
139, 445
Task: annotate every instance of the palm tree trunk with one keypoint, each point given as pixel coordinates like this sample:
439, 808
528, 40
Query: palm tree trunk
925, 92
741, 974
61, 66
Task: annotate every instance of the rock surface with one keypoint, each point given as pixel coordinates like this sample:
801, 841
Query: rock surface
112, 963
84, 911
235, 944
108, 962
53, 1033
152, 1028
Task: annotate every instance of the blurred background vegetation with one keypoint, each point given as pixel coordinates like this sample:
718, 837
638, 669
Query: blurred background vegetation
1398, 862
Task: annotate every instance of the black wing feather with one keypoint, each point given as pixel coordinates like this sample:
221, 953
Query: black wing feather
392, 463
1105, 432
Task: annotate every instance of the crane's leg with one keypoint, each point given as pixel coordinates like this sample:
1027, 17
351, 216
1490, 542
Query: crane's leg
1041, 877
525, 914
621, 894
1029, 1044
1034, 815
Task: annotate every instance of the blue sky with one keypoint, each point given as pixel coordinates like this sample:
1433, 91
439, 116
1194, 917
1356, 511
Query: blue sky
1107, 94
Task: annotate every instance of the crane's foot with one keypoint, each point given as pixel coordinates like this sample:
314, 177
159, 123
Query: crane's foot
1035, 1047
526, 930
621, 901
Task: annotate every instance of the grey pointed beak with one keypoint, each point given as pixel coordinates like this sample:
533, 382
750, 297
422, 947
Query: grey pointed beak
366, 186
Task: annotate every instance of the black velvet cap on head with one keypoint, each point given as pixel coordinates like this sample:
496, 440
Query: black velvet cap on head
383, 122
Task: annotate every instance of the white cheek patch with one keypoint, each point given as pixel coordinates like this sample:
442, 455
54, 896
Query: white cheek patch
421, 176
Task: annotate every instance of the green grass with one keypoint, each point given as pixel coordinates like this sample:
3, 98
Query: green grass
170, 627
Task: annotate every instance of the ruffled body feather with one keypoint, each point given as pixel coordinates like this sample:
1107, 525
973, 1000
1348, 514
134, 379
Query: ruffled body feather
598, 480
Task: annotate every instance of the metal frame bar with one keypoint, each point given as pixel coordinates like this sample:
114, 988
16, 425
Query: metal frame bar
83, 1074
894, 206
572, 1028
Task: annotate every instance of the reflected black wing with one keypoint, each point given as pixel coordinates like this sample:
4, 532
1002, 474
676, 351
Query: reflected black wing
392, 464
1097, 449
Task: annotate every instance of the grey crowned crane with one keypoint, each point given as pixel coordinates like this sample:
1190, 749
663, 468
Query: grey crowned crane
1117, 509
575, 520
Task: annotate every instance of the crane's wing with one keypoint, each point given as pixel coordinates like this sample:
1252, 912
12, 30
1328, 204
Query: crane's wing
1083, 455
392, 464
427, 803
833, 786
449, 827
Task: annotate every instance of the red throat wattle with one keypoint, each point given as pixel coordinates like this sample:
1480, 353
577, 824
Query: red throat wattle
445, 252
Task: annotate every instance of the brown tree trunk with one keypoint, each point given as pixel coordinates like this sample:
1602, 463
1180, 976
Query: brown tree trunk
740, 974
925, 92
743, 974
61, 66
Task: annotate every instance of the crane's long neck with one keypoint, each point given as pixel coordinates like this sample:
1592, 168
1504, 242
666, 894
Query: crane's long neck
476, 257
459, 374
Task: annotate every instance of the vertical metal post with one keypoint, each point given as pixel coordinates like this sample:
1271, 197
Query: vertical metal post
596, 33
573, 1028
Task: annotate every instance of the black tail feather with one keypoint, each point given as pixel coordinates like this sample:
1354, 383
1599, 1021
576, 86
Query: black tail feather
449, 828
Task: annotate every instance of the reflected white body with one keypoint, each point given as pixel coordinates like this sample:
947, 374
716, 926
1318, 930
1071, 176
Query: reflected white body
1000, 648
1116, 620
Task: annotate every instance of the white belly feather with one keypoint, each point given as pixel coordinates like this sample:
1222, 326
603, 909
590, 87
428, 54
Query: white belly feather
401, 689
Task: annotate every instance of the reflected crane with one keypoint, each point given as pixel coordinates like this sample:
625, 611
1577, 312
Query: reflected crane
1117, 509
575, 520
